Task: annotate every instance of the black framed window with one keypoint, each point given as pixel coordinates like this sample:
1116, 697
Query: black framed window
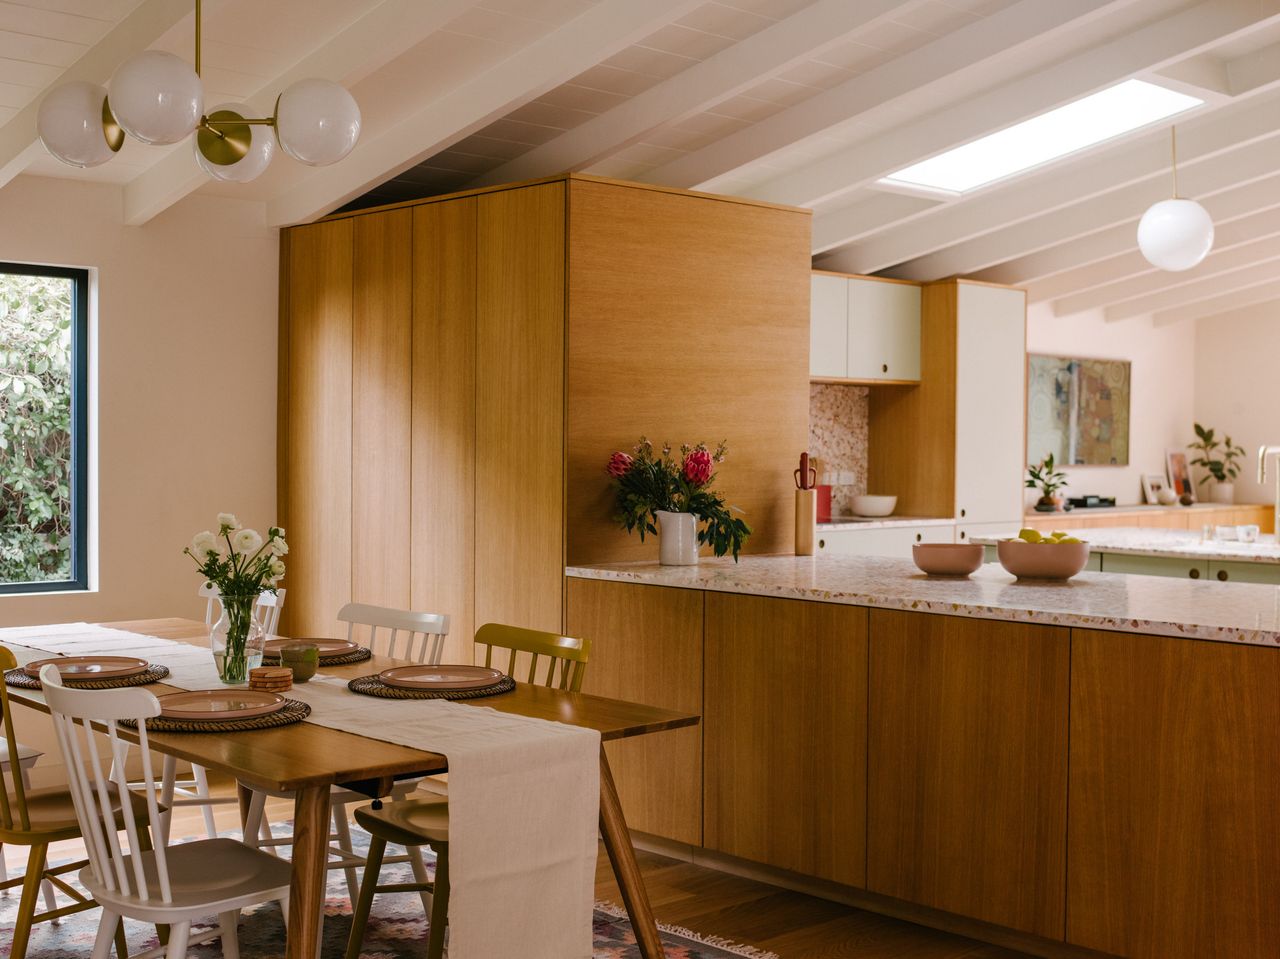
44, 424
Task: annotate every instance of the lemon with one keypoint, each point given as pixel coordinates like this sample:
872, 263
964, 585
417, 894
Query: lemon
1030, 536
1070, 539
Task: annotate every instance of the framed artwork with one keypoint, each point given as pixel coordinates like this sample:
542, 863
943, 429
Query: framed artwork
1180, 474
1152, 484
1078, 410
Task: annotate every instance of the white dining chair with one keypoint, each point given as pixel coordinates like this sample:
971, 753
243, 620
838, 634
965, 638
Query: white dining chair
28, 756
266, 610
396, 634
143, 877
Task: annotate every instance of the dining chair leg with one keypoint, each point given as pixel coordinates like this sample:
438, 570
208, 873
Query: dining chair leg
4, 870
50, 900
168, 778
343, 829
439, 906
253, 819
363, 903
122, 944
202, 792
179, 933
420, 875
228, 925
107, 926
27, 905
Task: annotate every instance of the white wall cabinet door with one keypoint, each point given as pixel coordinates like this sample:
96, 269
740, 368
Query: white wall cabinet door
991, 396
884, 330
895, 541
828, 325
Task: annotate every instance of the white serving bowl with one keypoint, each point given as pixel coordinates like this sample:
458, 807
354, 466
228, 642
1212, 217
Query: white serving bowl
865, 505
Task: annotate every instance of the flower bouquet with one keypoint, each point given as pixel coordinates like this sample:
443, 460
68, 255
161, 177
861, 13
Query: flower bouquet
677, 495
240, 564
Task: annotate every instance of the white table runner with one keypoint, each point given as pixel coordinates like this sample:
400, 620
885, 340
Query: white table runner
523, 793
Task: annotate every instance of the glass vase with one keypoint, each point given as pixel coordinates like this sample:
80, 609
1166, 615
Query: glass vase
237, 639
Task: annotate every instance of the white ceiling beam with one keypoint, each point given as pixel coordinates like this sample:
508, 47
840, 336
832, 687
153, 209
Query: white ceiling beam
1205, 288
1258, 69
866, 216
601, 31
1031, 197
923, 74
1149, 47
151, 20
1234, 300
376, 38
1205, 76
702, 86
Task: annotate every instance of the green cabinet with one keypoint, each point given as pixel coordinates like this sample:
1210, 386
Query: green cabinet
1237, 572
1155, 565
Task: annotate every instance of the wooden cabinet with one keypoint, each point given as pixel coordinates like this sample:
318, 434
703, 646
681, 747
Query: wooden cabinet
967, 767
864, 329
646, 647
785, 734
895, 541
828, 326
1193, 518
1174, 842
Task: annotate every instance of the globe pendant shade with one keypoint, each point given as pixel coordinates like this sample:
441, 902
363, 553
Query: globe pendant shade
157, 97
253, 158
317, 122
1175, 235
73, 123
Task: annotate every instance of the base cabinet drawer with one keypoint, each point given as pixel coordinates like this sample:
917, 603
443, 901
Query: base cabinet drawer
1234, 572
895, 541
1155, 566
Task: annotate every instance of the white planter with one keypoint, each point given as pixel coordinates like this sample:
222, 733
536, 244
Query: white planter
677, 538
1223, 493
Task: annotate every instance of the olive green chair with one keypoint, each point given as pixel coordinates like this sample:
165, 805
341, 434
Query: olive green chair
425, 822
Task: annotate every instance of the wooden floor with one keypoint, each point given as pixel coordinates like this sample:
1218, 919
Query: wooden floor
705, 901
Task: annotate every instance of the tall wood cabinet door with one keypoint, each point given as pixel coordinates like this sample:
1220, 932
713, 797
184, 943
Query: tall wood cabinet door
442, 526
884, 330
520, 343
646, 647
1174, 848
785, 734
991, 398
828, 325
380, 409
316, 500
967, 767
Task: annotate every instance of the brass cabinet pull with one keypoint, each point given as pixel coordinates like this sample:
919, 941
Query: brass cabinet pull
1194, 574
822, 544
1223, 576
884, 368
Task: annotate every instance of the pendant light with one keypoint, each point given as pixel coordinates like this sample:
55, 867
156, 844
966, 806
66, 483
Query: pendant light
1175, 234
158, 98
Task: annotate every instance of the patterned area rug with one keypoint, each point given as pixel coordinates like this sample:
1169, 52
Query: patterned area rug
397, 930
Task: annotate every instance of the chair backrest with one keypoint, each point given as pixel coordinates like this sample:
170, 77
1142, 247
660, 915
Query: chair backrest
568, 653
422, 634
13, 805
266, 610
99, 787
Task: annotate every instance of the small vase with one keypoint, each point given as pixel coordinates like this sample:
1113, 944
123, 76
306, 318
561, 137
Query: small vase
677, 538
237, 639
1223, 493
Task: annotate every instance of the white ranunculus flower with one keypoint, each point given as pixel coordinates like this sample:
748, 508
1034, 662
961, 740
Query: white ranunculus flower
202, 544
276, 569
278, 547
228, 521
246, 541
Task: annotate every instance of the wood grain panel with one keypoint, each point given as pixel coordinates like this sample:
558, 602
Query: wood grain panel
520, 344
912, 430
967, 771
688, 321
1174, 847
785, 734
317, 498
444, 417
647, 648
380, 409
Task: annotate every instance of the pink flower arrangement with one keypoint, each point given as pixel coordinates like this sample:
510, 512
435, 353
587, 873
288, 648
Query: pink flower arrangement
698, 466
619, 463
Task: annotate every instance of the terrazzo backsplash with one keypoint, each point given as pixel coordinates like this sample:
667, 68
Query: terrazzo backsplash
838, 439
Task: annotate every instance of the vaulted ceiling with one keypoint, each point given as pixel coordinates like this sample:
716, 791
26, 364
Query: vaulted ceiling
804, 102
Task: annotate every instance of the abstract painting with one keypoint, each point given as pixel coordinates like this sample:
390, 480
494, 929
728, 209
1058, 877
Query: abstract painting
1078, 410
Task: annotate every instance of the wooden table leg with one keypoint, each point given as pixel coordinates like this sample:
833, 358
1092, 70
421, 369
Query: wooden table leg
244, 795
310, 859
622, 856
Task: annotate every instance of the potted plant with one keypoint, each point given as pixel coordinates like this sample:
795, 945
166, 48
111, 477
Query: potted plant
1046, 478
1219, 458
676, 494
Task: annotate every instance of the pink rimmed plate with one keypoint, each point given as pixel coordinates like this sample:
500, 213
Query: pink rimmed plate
220, 704
90, 667
450, 678
326, 647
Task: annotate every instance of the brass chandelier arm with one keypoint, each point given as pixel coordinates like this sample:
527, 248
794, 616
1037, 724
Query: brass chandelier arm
199, 31
247, 121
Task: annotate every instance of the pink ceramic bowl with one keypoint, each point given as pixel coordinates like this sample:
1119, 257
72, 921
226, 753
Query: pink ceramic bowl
1042, 560
947, 559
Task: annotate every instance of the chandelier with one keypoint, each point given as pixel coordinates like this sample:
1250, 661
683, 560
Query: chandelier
158, 98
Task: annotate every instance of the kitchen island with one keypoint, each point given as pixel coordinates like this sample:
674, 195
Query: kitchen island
1092, 765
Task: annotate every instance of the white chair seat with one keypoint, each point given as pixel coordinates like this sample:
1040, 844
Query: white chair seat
206, 876
26, 754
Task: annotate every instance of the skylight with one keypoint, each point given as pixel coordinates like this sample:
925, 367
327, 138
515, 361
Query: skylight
1100, 116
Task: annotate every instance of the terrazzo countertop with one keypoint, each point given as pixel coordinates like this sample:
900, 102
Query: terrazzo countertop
1179, 544
1243, 613
888, 522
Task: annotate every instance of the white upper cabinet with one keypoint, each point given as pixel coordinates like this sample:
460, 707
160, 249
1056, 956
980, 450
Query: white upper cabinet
884, 330
991, 395
828, 326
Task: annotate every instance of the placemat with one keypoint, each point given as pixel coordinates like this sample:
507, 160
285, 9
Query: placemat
373, 686
153, 674
342, 659
293, 712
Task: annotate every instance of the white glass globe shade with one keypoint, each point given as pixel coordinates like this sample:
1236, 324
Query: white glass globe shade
1175, 235
70, 124
317, 122
157, 97
262, 147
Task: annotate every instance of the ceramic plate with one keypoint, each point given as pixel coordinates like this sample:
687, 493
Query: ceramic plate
218, 704
440, 677
327, 647
90, 667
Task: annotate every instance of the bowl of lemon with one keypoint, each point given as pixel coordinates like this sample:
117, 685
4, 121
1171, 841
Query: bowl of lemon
1036, 555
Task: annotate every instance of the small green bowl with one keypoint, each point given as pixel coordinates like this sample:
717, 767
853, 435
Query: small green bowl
302, 658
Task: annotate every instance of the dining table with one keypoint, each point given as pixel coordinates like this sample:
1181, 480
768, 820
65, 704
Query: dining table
308, 759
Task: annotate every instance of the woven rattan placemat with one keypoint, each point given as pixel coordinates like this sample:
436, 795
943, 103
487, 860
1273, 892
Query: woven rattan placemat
373, 686
293, 712
153, 674
342, 659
